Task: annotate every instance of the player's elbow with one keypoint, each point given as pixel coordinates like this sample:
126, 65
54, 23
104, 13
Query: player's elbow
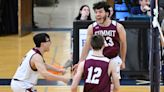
45, 76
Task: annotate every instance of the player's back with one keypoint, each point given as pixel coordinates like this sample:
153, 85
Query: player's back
96, 74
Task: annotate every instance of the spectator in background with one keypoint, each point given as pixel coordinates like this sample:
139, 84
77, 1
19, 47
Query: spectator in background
111, 12
84, 13
143, 9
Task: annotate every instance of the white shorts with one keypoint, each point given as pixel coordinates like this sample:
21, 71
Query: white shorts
19, 86
118, 61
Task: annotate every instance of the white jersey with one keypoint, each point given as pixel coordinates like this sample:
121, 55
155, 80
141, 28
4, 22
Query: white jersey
24, 72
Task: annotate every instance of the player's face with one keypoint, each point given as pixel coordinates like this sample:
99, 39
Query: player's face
47, 44
100, 15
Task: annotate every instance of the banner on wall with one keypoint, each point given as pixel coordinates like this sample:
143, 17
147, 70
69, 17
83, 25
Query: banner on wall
82, 40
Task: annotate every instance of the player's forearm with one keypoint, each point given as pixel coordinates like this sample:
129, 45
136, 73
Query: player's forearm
116, 83
123, 51
49, 76
50, 67
84, 53
75, 84
83, 56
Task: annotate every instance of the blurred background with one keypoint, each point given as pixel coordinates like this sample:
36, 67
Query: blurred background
21, 19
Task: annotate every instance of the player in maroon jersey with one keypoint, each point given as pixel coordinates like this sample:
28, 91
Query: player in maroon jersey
97, 70
113, 33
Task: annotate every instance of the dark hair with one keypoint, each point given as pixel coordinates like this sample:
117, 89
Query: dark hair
97, 42
79, 15
39, 38
102, 4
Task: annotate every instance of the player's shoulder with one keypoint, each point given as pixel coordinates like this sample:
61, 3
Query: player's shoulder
90, 29
119, 26
103, 59
37, 57
92, 25
116, 23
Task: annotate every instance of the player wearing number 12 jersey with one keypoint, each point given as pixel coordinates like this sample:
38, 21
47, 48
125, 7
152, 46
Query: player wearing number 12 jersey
97, 70
95, 74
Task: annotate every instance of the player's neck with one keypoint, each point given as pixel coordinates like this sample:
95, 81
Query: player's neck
41, 51
98, 53
106, 23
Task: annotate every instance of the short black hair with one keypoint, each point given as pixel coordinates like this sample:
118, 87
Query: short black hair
97, 42
102, 4
39, 38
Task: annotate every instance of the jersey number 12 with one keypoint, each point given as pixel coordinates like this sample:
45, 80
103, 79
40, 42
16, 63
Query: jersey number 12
93, 75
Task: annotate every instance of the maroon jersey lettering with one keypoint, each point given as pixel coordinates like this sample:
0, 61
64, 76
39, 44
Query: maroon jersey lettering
111, 37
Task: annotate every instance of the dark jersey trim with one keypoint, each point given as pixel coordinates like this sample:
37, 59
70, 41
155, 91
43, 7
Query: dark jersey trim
37, 52
30, 62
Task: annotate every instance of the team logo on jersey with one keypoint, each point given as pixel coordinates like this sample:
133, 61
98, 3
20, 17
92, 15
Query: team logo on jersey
110, 33
97, 27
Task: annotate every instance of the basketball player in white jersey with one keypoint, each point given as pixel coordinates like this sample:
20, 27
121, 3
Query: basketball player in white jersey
33, 64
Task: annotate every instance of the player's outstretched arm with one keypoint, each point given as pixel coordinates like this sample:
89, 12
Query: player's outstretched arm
40, 66
86, 47
50, 67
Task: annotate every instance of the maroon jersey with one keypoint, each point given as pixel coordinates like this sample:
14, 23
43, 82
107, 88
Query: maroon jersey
96, 74
111, 36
